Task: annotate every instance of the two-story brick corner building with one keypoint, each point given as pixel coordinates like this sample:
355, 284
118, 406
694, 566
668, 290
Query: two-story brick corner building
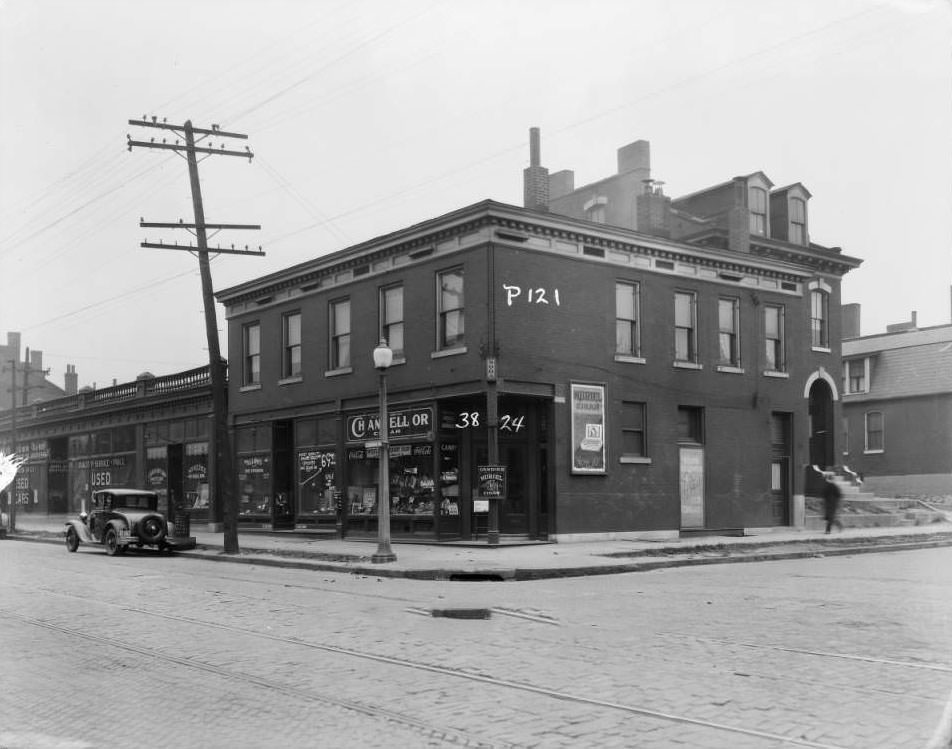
667, 369
897, 406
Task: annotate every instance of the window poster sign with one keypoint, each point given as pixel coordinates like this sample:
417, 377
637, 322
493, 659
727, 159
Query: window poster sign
588, 428
491, 482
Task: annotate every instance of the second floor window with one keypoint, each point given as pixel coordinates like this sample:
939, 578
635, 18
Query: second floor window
391, 318
757, 199
627, 316
251, 354
340, 334
820, 318
773, 338
874, 431
450, 321
291, 359
728, 315
685, 326
856, 376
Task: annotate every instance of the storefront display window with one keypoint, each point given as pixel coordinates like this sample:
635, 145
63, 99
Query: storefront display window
412, 487
196, 479
157, 474
316, 481
449, 479
254, 482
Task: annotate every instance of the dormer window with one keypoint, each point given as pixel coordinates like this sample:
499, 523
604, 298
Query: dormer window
595, 209
798, 221
757, 205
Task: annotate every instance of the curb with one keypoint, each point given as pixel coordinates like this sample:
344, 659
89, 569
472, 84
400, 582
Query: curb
659, 558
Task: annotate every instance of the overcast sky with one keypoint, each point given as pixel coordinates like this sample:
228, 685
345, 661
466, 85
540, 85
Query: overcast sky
365, 117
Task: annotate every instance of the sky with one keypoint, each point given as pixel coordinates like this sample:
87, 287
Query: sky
365, 116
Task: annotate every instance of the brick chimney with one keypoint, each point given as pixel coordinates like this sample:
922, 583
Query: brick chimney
535, 178
653, 210
851, 320
72, 380
738, 218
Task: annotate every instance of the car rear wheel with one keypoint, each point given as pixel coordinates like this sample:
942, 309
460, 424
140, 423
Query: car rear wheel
111, 542
72, 539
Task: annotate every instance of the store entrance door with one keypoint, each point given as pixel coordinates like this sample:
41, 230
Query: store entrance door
514, 510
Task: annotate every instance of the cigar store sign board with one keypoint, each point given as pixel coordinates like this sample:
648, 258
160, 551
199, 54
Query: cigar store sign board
588, 428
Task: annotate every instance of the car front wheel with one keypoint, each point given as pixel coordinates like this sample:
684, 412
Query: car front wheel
72, 539
111, 542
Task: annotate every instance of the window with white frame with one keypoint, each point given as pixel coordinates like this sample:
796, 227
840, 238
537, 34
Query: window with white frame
774, 338
820, 318
685, 326
757, 206
340, 334
856, 375
251, 354
627, 319
391, 318
291, 356
450, 309
875, 437
728, 316
798, 221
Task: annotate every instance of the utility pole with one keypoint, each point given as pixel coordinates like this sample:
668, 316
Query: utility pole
222, 472
12, 489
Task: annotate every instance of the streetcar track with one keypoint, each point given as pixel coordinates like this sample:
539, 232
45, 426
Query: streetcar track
804, 651
431, 731
403, 663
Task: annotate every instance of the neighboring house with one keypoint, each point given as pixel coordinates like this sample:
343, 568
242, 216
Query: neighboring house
31, 383
648, 366
897, 407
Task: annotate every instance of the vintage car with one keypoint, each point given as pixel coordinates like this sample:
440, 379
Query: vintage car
124, 518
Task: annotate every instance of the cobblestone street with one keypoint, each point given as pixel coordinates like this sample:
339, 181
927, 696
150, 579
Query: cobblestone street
836, 652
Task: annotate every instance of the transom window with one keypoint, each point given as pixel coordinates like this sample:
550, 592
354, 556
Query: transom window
251, 354
291, 359
451, 321
773, 338
685, 326
340, 334
728, 315
627, 319
391, 318
820, 318
757, 204
690, 424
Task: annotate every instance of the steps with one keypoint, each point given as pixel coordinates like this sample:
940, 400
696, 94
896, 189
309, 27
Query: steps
860, 509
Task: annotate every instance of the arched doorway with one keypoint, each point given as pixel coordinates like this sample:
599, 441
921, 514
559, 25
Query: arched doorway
821, 424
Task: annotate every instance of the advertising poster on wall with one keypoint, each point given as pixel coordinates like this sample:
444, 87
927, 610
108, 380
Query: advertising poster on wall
588, 428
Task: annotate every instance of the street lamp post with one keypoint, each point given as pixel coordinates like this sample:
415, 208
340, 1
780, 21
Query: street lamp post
383, 358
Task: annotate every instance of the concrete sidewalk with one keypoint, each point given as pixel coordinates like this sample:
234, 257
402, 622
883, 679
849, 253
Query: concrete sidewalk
521, 560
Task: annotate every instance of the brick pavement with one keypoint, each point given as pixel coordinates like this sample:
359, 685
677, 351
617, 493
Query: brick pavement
766, 650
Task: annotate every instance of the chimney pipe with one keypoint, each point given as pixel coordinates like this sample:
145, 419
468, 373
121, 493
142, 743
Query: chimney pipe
535, 157
535, 178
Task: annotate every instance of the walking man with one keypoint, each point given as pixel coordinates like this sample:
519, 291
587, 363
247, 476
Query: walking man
831, 502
